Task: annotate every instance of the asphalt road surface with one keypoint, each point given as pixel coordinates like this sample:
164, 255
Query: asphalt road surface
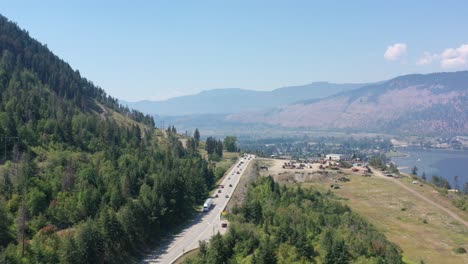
205, 225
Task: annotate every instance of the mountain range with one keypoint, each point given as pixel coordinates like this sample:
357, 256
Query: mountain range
433, 104
430, 104
235, 100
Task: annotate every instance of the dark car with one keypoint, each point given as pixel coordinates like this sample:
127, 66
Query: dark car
227, 196
219, 191
230, 185
224, 225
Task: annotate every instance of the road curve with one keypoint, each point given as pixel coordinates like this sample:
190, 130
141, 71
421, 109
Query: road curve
422, 197
205, 225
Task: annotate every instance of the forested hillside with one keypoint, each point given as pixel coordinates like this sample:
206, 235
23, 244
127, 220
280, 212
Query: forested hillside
82, 179
279, 224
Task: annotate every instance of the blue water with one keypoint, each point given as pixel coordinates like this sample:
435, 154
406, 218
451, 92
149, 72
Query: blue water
445, 163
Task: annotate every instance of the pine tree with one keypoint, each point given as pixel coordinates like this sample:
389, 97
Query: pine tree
196, 136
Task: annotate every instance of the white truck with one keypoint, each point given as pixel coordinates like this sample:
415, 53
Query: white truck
207, 205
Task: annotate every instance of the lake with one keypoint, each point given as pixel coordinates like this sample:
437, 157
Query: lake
443, 163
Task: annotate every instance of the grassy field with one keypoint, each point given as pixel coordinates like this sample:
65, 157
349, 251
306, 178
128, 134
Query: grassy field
422, 231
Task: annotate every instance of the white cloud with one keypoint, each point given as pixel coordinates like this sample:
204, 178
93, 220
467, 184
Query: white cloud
427, 59
395, 51
455, 58
452, 58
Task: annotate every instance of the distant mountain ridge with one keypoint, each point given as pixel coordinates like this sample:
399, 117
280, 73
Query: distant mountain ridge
235, 100
429, 104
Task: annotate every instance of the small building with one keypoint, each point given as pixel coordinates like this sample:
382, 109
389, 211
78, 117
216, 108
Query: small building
336, 157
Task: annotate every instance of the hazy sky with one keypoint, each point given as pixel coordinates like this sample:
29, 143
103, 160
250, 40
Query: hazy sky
159, 49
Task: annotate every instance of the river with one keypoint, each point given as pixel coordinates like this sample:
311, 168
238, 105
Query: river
445, 163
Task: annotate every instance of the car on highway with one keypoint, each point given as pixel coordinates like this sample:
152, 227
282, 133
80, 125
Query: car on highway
219, 191
238, 172
223, 224
227, 196
207, 205
230, 185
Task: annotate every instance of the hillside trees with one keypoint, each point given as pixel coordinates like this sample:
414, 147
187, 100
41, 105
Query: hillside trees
214, 148
196, 136
85, 180
295, 225
230, 143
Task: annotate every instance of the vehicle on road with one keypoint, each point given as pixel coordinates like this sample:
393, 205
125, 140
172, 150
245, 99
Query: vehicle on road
219, 191
227, 196
207, 205
224, 224
238, 172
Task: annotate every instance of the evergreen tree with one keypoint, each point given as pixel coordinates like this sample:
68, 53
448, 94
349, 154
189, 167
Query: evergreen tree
338, 253
196, 136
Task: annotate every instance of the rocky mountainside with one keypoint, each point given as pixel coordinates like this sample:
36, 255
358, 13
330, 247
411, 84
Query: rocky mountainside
431, 104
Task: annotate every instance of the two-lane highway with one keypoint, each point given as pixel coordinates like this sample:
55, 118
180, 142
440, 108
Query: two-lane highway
206, 224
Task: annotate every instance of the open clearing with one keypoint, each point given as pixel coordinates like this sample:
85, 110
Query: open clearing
422, 230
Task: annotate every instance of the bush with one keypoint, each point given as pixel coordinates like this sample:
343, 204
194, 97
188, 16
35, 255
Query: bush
460, 250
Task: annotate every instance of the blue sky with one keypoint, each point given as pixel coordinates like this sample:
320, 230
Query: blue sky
159, 49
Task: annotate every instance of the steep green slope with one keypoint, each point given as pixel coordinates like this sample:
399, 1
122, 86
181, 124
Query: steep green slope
83, 180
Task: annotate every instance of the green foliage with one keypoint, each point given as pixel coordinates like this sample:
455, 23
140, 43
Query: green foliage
461, 201
214, 148
78, 185
219, 171
292, 225
196, 136
5, 235
440, 182
378, 162
393, 168
230, 143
